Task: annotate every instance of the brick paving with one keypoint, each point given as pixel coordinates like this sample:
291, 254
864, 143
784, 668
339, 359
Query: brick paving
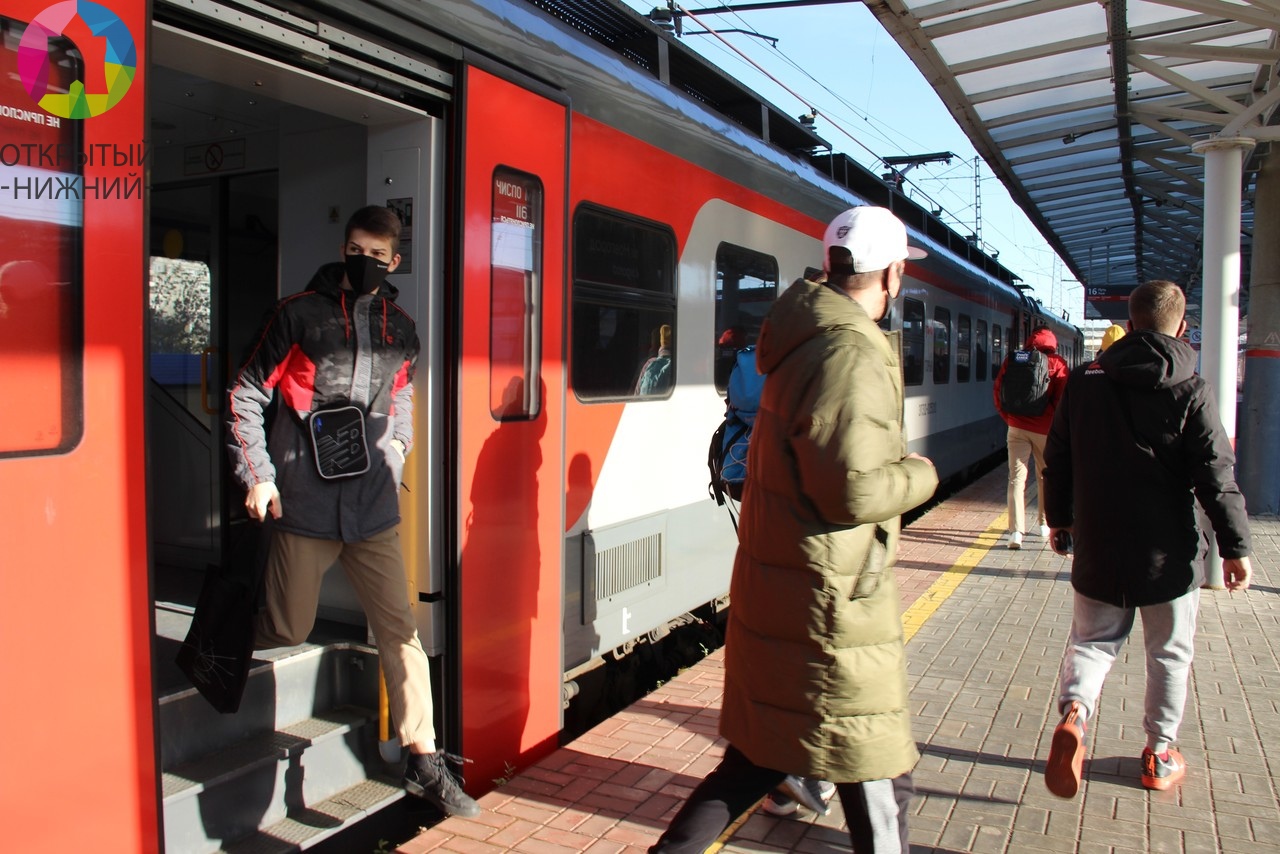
986, 628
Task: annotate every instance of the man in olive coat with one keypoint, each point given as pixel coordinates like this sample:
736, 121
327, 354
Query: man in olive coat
815, 670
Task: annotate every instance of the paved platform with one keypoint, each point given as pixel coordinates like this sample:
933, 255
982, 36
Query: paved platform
986, 628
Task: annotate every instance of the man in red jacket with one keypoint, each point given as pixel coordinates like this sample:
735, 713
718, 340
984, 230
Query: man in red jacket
1027, 435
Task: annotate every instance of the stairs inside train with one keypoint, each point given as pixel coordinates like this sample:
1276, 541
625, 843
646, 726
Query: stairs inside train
297, 765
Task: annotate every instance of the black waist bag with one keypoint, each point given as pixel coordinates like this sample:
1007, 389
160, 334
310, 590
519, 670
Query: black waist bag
337, 437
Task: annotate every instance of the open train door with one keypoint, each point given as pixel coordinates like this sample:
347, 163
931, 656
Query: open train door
75, 608
509, 423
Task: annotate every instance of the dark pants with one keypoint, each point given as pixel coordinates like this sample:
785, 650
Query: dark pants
876, 811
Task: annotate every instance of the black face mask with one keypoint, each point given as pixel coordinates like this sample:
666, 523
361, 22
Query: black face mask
886, 319
365, 273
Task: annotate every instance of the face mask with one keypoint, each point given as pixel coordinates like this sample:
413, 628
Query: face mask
886, 319
365, 273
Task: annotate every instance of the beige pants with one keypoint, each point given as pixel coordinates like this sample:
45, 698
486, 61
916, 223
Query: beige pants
1023, 444
375, 567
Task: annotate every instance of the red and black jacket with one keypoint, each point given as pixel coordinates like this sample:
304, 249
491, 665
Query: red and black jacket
320, 349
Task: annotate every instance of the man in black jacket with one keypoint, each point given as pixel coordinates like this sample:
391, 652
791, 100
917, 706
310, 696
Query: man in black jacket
1135, 443
341, 357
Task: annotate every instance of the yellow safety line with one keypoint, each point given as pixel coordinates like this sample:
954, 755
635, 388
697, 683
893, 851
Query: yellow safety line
915, 617
731, 830
922, 609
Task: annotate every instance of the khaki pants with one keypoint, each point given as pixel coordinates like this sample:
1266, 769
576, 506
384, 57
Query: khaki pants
1023, 444
375, 567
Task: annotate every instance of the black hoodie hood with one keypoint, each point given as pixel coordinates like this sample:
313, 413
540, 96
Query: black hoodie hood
328, 282
1148, 360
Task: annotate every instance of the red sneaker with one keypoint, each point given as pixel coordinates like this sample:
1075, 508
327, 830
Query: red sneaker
1162, 772
1063, 771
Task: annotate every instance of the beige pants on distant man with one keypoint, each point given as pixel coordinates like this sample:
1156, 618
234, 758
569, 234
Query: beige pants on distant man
1023, 444
375, 567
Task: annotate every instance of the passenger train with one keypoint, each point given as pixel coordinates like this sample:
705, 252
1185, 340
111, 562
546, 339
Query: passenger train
571, 180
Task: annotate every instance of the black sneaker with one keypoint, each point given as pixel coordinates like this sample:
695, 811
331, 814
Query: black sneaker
429, 778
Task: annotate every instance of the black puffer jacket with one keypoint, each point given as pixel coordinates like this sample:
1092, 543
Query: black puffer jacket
324, 348
1135, 442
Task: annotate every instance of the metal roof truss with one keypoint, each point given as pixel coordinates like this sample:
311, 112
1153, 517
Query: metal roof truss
1089, 118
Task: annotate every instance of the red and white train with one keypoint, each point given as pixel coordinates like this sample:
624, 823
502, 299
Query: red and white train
572, 180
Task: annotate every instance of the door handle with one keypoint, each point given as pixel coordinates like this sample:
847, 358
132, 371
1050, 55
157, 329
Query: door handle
205, 359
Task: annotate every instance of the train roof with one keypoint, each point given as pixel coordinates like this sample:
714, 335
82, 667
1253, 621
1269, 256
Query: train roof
649, 46
617, 66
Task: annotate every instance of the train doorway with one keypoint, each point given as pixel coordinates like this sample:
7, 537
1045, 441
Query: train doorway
255, 168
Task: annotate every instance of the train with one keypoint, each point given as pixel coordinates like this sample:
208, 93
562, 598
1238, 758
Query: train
571, 180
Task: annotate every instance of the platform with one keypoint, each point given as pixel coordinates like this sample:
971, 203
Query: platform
986, 628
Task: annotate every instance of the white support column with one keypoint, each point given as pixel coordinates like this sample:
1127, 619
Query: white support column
1220, 306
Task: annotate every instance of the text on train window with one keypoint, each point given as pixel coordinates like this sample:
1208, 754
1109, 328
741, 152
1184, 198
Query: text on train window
912, 341
624, 307
41, 251
746, 286
941, 345
515, 292
964, 347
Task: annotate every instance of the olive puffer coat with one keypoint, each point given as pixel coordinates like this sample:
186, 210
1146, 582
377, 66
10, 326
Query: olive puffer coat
815, 678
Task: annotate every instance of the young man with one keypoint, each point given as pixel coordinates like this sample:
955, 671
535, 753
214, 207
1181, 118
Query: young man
1027, 434
341, 354
1135, 445
815, 672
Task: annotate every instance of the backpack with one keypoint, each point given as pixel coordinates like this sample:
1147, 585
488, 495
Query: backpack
1025, 387
727, 454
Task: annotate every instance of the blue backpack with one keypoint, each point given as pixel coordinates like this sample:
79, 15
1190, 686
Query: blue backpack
727, 455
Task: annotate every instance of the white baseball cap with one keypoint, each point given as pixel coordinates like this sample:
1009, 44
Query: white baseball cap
874, 237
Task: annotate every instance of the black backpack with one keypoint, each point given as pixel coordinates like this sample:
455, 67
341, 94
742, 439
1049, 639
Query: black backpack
1025, 388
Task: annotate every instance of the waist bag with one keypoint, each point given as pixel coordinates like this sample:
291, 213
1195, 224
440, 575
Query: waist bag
338, 440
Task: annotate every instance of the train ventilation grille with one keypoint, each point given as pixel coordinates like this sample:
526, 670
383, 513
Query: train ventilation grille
624, 566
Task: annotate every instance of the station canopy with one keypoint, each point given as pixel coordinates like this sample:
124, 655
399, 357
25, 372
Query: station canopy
1088, 112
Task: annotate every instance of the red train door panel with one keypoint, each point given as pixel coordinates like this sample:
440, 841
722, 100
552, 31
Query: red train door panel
75, 608
509, 419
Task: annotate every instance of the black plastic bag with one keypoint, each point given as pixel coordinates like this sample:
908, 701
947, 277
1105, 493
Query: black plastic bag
218, 648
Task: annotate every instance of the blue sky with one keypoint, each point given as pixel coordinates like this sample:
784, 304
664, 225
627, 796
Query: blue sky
873, 102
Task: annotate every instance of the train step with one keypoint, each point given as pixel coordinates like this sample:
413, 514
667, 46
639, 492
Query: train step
295, 765
313, 825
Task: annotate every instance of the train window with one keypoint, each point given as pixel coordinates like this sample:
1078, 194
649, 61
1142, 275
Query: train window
997, 350
964, 347
980, 350
746, 286
515, 292
941, 345
624, 307
41, 247
912, 341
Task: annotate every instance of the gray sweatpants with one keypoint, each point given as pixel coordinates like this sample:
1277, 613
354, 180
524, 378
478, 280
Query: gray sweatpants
1099, 630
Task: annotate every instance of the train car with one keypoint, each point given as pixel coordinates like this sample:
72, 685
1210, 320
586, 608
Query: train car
580, 195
